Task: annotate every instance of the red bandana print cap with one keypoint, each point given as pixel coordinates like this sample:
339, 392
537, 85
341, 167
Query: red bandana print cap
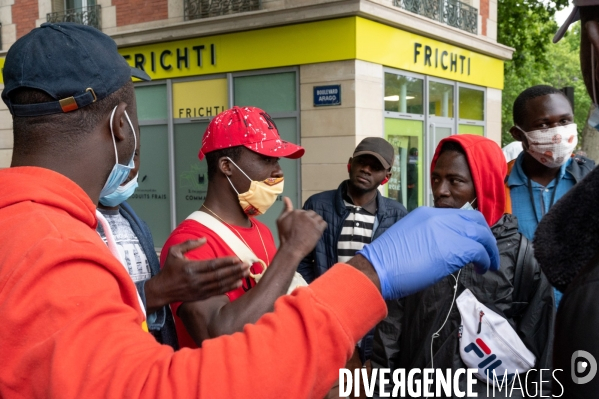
250, 127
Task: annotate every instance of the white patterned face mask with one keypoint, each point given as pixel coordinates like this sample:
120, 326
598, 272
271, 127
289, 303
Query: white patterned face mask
554, 146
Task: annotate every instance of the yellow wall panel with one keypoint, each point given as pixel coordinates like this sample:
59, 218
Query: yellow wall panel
199, 99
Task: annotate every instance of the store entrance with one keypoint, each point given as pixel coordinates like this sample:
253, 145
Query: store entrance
440, 122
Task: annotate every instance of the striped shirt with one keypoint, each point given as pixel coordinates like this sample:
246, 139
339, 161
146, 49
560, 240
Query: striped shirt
356, 232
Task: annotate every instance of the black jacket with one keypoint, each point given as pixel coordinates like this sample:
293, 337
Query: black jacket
403, 339
567, 248
329, 205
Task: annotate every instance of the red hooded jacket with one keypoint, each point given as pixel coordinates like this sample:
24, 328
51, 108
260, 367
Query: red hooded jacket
72, 324
488, 169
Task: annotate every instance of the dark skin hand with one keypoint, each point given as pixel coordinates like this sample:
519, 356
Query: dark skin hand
542, 113
365, 175
182, 279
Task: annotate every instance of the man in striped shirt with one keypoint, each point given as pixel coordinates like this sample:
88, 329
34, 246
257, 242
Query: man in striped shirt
356, 213
357, 227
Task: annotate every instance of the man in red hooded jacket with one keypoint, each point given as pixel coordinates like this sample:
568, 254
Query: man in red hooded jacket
468, 172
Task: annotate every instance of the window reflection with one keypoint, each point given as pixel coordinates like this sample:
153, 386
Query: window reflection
403, 94
472, 104
440, 99
404, 181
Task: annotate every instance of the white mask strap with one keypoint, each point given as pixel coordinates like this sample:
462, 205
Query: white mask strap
231, 183
134, 135
230, 160
116, 155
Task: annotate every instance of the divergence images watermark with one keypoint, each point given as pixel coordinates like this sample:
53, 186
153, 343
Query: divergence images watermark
419, 383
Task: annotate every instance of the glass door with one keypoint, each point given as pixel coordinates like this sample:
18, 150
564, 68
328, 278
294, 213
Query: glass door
404, 128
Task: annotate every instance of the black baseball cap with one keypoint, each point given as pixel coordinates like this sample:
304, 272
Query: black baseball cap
75, 64
377, 147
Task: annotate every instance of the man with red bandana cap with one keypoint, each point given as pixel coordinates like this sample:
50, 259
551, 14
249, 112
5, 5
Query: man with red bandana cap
242, 148
468, 172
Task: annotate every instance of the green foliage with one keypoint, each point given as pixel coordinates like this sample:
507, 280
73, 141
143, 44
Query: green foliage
557, 65
526, 26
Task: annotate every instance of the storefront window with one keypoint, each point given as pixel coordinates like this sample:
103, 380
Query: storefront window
440, 99
151, 201
406, 180
471, 129
191, 174
151, 102
416, 123
404, 94
472, 104
272, 92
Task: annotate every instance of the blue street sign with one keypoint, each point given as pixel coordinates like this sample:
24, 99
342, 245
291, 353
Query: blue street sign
327, 95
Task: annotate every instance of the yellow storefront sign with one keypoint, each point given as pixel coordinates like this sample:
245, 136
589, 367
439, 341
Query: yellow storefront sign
257, 49
315, 42
396, 48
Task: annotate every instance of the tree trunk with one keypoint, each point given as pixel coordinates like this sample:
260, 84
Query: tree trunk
590, 140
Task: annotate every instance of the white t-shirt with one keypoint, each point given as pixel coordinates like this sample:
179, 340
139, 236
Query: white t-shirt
127, 244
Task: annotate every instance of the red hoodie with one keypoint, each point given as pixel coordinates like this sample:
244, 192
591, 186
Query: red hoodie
488, 169
72, 325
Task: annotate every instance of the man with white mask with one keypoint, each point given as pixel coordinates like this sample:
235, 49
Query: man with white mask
545, 170
566, 243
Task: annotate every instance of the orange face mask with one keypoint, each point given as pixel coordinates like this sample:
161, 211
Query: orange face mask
261, 194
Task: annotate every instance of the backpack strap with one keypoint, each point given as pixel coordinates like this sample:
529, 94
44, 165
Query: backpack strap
524, 270
237, 246
508, 198
241, 250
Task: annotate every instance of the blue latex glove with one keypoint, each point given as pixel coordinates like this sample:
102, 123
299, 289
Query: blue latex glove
427, 245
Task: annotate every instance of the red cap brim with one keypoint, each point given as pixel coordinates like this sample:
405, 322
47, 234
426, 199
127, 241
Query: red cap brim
276, 148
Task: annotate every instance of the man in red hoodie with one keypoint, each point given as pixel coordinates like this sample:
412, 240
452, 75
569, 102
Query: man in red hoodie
468, 173
73, 325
